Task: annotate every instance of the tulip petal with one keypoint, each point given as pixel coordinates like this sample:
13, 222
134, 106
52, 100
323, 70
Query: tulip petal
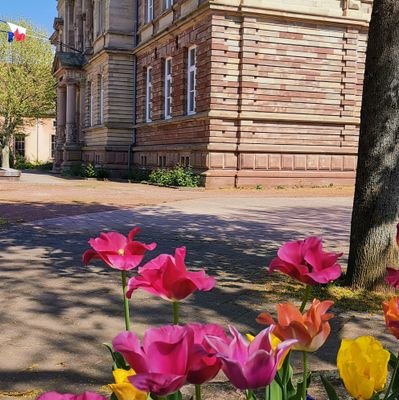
160, 384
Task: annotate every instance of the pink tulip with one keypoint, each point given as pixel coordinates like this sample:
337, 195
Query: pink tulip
392, 277
249, 365
68, 396
305, 261
204, 366
118, 251
167, 277
161, 361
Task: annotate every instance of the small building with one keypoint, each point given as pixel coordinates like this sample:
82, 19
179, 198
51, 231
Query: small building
247, 92
37, 143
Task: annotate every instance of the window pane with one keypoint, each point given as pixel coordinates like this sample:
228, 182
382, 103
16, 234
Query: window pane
192, 57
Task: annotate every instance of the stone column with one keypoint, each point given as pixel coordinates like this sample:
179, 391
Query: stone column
60, 130
72, 150
70, 132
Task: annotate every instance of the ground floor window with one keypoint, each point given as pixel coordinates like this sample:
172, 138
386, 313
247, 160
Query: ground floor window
19, 145
52, 146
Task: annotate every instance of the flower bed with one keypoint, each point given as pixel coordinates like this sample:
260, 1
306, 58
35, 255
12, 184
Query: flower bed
167, 358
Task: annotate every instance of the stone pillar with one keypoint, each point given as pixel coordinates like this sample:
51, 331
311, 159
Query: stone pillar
72, 150
70, 132
60, 130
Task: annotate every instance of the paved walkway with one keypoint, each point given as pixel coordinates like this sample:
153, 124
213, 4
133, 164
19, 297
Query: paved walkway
56, 312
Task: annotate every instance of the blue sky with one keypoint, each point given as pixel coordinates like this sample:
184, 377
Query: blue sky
40, 12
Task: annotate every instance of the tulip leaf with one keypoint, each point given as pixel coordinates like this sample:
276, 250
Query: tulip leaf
118, 360
175, 396
331, 393
113, 397
393, 363
274, 391
394, 395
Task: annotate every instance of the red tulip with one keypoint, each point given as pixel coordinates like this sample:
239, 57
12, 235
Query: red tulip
167, 277
161, 361
391, 314
204, 366
310, 329
118, 251
68, 396
305, 261
392, 277
249, 365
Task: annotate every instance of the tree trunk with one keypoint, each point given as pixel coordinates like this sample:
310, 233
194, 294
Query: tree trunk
5, 156
376, 202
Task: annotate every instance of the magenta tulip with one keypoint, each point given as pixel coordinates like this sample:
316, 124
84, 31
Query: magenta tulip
118, 251
167, 277
392, 277
161, 361
305, 261
249, 365
68, 396
204, 366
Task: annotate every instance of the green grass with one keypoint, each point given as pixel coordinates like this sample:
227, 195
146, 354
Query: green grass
280, 288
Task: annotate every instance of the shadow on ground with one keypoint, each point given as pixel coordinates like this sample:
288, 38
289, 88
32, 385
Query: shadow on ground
61, 311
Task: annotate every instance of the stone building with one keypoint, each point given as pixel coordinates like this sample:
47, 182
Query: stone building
246, 91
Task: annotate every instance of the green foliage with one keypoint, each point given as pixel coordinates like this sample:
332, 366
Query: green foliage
178, 176
89, 171
27, 88
138, 175
19, 162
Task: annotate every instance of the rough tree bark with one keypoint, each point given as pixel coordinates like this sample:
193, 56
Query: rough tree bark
376, 202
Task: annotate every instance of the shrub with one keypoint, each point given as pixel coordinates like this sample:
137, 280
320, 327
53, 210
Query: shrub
178, 176
89, 171
138, 175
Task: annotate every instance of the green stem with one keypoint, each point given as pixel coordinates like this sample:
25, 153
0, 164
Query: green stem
125, 302
392, 377
176, 306
306, 296
249, 394
305, 374
267, 393
197, 392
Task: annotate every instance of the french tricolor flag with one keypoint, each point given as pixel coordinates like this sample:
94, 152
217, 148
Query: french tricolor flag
18, 32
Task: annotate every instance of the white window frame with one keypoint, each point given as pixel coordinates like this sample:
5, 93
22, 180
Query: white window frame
148, 94
191, 84
168, 4
101, 99
149, 12
168, 85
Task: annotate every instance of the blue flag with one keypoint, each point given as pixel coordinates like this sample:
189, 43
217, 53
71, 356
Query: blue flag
10, 37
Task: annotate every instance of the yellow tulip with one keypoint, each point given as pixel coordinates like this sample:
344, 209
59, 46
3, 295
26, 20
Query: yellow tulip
363, 366
123, 389
274, 341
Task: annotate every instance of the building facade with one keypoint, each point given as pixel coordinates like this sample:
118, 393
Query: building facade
247, 92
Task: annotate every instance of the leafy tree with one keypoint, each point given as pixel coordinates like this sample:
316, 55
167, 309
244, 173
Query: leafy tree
376, 202
27, 88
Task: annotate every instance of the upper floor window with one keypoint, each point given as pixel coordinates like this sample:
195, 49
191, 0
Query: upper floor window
168, 89
191, 79
100, 99
148, 95
100, 17
168, 4
149, 12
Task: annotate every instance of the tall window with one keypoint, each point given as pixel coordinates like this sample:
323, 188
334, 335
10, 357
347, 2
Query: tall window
148, 95
149, 12
100, 99
191, 79
90, 98
168, 89
53, 142
168, 4
100, 17
19, 145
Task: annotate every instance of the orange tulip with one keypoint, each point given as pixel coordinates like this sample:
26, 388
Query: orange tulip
310, 329
391, 313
